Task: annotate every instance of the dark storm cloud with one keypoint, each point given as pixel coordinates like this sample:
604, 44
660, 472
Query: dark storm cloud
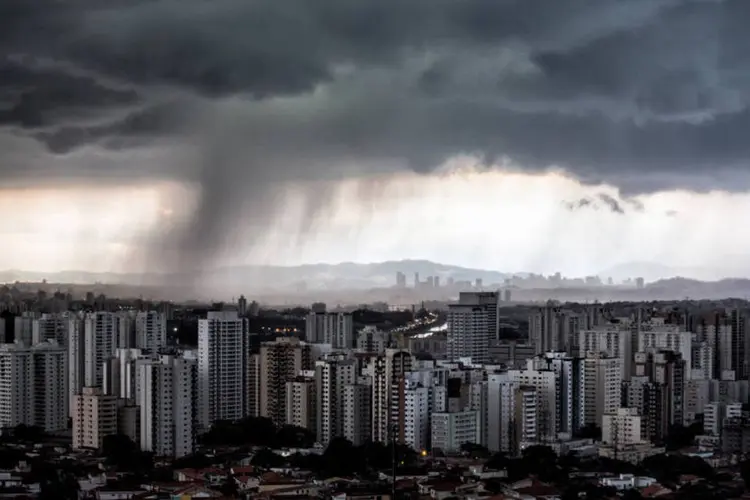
645, 95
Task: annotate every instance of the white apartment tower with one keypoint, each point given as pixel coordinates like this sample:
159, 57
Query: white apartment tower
601, 390
168, 405
513, 413
416, 415
103, 333
33, 386
334, 328
613, 342
50, 327
472, 326
332, 375
150, 331
301, 403
452, 430
223, 367
546, 384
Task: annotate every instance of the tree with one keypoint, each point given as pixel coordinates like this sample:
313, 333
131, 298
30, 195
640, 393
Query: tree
745, 472
589, 431
124, 454
29, 433
632, 495
267, 459
475, 450
291, 436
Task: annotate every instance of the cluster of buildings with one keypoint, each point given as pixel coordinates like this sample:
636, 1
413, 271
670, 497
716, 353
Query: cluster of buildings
632, 377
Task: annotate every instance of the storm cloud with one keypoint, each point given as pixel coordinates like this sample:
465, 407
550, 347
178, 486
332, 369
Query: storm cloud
645, 95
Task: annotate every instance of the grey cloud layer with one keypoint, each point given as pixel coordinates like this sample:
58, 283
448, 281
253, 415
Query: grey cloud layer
644, 94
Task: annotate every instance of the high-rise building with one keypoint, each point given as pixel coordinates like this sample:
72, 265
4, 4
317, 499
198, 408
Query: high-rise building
301, 402
358, 413
400, 280
416, 415
94, 418
388, 377
103, 333
622, 428
545, 381
553, 329
280, 362
33, 386
150, 331
223, 367
50, 327
472, 326
370, 339
242, 306
336, 329
611, 342
332, 375
450, 431
168, 405
120, 373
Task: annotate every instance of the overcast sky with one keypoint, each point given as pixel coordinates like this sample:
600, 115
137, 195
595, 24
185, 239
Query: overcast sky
519, 135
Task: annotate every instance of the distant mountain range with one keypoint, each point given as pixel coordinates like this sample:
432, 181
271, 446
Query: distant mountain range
663, 281
325, 276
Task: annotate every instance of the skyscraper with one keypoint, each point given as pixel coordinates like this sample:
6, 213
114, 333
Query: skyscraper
280, 361
150, 331
223, 367
472, 326
168, 405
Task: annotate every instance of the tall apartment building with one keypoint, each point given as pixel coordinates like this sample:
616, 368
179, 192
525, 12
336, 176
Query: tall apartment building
670, 371
94, 418
417, 399
472, 326
168, 403
613, 341
358, 413
223, 367
553, 328
601, 388
253, 386
120, 373
546, 384
280, 361
33, 386
334, 328
452, 430
150, 331
50, 327
657, 336
332, 375
512, 413
302, 402
622, 428
388, 372
103, 333
370, 339
24, 327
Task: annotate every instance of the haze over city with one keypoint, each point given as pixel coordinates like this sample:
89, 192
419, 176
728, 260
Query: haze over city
532, 136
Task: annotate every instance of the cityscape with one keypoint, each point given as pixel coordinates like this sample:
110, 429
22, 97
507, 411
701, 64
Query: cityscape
374, 250
481, 397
